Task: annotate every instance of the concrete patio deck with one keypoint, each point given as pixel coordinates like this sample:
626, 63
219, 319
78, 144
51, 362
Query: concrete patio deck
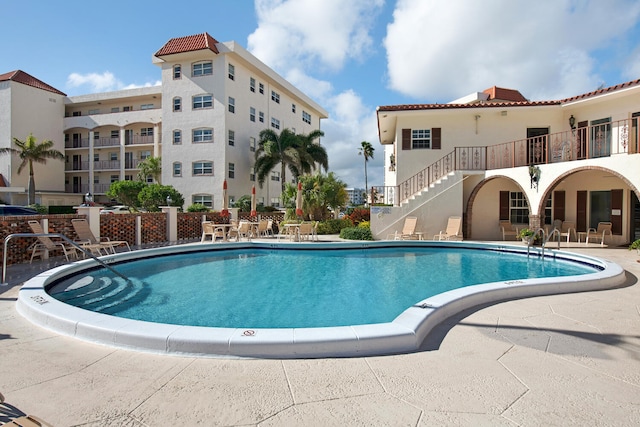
558, 360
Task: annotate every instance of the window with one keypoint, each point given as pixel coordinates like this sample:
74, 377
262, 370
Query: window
96, 157
77, 113
114, 178
232, 105
275, 123
232, 170
177, 104
275, 176
275, 201
115, 134
420, 138
146, 107
232, 137
202, 135
128, 177
202, 69
202, 199
275, 97
252, 114
518, 208
293, 108
177, 137
177, 169
94, 112
252, 144
177, 71
252, 177
115, 109
261, 117
306, 117
232, 72
113, 156
252, 84
202, 168
96, 136
146, 132
96, 180
128, 108
202, 101
261, 88
144, 155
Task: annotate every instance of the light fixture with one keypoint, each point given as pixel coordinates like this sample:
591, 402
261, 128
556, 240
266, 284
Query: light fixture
88, 199
534, 175
572, 122
169, 201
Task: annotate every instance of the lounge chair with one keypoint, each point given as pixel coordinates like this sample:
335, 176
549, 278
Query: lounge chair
508, 230
408, 230
603, 229
305, 231
567, 228
263, 228
25, 421
243, 229
453, 231
86, 236
45, 245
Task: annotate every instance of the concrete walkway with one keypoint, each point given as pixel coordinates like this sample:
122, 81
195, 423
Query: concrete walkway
560, 360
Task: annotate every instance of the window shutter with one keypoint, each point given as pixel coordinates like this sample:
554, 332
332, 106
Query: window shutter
581, 211
558, 205
504, 206
616, 212
436, 138
406, 139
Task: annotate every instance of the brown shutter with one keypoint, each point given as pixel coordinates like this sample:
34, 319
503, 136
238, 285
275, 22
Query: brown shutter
581, 211
436, 140
558, 205
504, 206
406, 139
616, 212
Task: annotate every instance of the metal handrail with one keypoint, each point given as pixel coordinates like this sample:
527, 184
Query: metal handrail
63, 237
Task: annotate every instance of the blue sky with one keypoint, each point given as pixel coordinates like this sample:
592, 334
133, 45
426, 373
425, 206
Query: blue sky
349, 55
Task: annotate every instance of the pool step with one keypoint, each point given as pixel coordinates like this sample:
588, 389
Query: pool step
104, 295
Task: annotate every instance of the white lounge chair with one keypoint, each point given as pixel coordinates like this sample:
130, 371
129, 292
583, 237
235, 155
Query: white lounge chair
453, 230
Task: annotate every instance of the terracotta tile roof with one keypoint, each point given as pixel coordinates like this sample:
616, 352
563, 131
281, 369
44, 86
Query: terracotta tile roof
27, 79
503, 94
511, 103
188, 44
604, 90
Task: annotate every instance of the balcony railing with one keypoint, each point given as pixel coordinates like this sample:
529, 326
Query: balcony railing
109, 142
590, 142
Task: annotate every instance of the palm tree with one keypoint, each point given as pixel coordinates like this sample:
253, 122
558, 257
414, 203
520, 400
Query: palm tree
31, 152
150, 166
366, 149
311, 153
273, 149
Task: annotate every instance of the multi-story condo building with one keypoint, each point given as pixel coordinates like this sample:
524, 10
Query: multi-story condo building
203, 121
495, 156
356, 196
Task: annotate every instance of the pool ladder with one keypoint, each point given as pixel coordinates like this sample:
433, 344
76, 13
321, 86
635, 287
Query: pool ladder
541, 232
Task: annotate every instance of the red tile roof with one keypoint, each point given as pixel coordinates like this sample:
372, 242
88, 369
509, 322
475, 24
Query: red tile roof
504, 94
20, 76
188, 44
499, 94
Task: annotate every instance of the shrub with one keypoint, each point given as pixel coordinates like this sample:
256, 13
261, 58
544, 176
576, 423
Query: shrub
360, 214
198, 207
365, 224
41, 209
356, 233
333, 226
635, 245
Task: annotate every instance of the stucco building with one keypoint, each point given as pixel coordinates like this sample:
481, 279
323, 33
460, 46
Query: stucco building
494, 155
204, 122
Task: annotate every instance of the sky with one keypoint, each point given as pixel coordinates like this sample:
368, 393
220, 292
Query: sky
350, 56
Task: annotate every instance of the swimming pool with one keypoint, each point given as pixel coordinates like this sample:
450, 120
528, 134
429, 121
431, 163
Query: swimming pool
358, 321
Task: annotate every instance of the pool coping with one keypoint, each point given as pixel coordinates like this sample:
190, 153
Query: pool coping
404, 334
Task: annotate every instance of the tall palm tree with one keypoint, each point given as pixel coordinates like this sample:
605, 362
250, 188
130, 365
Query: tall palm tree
366, 150
150, 166
311, 153
276, 148
31, 152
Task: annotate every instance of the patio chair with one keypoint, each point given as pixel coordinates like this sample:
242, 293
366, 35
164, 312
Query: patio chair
263, 228
408, 230
508, 230
567, 228
45, 245
86, 236
305, 231
603, 229
243, 229
209, 229
453, 230
270, 228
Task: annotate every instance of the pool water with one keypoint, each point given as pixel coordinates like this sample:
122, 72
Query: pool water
268, 288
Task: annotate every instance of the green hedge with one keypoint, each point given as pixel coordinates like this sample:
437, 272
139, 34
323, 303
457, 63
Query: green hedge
356, 233
333, 226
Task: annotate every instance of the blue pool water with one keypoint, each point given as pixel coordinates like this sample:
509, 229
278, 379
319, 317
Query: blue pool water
268, 288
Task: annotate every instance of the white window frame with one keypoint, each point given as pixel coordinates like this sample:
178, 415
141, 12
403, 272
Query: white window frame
232, 105
203, 199
232, 72
177, 168
306, 117
201, 102
261, 117
252, 84
177, 104
252, 114
232, 137
202, 135
177, 72
232, 170
275, 123
421, 139
275, 97
202, 168
202, 68
177, 137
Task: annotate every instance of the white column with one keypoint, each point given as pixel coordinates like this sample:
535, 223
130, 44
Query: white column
90, 188
172, 222
122, 141
93, 218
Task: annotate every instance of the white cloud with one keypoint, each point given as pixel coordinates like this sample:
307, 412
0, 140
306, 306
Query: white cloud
105, 82
445, 50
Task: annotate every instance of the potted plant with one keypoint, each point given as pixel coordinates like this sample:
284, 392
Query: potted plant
529, 236
635, 245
